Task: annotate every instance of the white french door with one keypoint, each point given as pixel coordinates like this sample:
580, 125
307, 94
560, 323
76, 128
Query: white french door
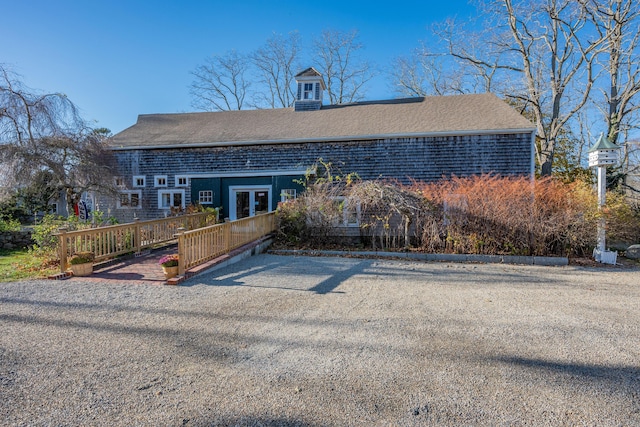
245, 201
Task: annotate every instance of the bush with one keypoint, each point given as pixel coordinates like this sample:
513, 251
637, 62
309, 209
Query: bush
81, 258
491, 215
623, 219
483, 215
43, 233
291, 222
9, 224
311, 219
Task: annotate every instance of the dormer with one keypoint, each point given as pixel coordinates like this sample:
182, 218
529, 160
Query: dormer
310, 88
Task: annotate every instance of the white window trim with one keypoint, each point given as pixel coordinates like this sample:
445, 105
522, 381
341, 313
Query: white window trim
139, 177
200, 197
179, 177
157, 178
130, 192
171, 192
345, 213
284, 196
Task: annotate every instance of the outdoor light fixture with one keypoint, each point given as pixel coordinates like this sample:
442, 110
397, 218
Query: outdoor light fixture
603, 153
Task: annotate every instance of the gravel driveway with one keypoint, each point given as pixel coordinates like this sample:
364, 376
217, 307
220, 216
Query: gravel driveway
303, 341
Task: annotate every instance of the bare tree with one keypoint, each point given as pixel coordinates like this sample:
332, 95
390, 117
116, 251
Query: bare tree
557, 59
277, 63
345, 73
483, 57
424, 73
619, 22
44, 132
540, 55
220, 83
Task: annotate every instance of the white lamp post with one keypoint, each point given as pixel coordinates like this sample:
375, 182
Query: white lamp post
602, 154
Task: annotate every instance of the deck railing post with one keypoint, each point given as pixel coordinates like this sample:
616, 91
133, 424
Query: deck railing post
62, 248
137, 235
227, 236
181, 251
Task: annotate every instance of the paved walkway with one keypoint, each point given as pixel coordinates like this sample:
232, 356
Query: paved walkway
145, 270
142, 270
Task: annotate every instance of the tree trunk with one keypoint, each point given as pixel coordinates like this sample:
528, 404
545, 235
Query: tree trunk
72, 199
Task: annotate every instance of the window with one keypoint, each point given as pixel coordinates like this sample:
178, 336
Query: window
205, 197
119, 182
308, 91
171, 199
287, 194
350, 212
139, 181
182, 181
160, 180
130, 200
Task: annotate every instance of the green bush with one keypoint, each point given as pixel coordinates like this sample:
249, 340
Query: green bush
43, 233
291, 222
9, 225
81, 258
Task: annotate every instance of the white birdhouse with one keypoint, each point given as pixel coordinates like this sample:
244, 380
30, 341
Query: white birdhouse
603, 153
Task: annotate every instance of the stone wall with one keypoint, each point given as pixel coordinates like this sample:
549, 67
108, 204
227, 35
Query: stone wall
15, 239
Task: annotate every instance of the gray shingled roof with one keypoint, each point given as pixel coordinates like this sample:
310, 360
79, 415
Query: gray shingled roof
413, 117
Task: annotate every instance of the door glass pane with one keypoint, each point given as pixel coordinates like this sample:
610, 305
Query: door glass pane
262, 202
177, 200
165, 200
242, 204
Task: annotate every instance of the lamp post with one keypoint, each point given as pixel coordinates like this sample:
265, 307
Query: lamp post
602, 154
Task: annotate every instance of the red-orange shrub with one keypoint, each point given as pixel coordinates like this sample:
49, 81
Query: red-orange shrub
492, 215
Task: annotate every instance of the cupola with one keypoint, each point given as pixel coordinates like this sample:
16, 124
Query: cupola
310, 88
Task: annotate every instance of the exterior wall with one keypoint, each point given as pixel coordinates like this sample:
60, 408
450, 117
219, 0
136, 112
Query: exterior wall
404, 159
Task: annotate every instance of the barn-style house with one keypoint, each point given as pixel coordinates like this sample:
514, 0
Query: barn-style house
247, 161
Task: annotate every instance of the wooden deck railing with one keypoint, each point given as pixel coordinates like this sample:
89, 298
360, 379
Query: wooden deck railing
109, 242
199, 246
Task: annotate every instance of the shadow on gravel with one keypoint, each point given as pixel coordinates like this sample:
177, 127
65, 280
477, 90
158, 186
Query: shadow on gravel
251, 422
619, 378
337, 273
323, 275
330, 284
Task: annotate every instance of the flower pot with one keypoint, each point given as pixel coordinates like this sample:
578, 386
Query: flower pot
170, 272
84, 269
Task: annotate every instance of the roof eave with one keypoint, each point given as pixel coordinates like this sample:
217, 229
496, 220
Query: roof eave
324, 139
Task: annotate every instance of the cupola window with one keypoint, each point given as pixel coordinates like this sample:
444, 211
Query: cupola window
308, 91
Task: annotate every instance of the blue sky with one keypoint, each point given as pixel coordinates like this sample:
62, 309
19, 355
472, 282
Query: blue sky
118, 59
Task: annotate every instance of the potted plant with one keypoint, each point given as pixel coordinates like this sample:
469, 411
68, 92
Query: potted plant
169, 265
81, 263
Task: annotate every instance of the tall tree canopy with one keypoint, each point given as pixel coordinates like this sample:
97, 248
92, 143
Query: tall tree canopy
43, 133
265, 78
567, 64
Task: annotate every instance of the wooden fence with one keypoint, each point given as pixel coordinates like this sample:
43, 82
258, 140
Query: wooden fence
109, 242
196, 247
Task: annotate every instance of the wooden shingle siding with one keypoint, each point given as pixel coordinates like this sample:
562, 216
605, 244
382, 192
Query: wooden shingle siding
422, 159
403, 159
